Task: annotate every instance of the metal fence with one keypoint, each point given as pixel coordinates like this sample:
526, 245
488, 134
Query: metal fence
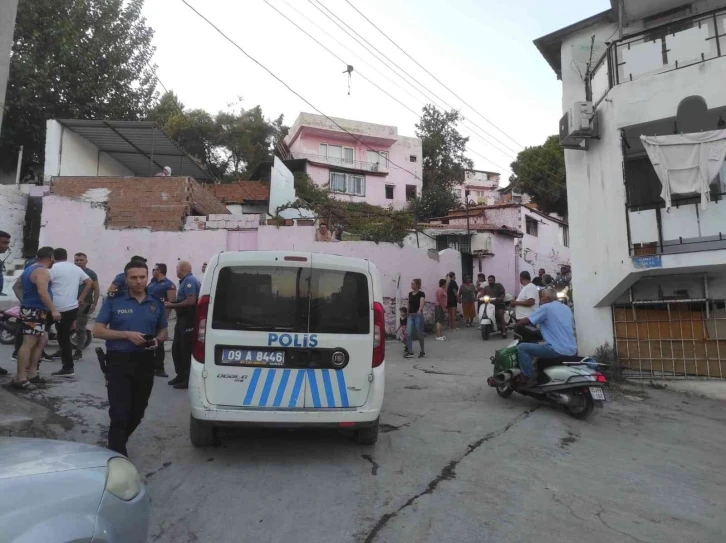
672, 338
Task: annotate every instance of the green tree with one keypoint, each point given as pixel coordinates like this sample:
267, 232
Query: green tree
168, 107
539, 171
84, 59
444, 162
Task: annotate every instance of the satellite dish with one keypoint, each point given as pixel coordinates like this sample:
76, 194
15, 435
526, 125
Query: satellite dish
581, 52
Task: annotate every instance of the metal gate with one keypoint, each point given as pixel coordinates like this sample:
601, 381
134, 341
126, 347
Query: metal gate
672, 338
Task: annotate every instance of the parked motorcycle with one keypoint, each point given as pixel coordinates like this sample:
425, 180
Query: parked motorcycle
10, 323
569, 381
487, 316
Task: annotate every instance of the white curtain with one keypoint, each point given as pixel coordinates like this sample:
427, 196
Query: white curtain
687, 163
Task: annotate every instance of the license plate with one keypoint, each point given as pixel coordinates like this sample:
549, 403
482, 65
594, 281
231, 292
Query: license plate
251, 357
597, 393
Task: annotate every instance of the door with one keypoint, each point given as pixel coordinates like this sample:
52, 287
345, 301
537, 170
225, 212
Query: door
258, 333
467, 265
341, 321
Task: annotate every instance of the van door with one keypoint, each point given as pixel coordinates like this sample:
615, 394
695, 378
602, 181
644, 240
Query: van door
258, 326
341, 320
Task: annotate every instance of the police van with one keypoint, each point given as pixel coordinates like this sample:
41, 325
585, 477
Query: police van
288, 339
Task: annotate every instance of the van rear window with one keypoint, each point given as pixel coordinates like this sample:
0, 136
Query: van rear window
290, 299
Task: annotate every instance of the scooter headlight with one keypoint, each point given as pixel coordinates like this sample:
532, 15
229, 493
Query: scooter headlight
561, 295
484, 299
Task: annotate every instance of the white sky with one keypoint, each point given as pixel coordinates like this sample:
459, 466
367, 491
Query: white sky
481, 49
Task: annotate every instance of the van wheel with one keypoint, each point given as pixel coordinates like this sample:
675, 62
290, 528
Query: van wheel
201, 433
367, 435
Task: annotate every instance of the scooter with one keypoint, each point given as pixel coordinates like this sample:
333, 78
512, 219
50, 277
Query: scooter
487, 316
569, 381
10, 323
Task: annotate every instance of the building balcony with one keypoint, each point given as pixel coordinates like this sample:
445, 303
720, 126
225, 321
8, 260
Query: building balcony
379, 168
685, 42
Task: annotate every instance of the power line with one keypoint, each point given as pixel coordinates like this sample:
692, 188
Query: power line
230, 40
433, 76
554, 174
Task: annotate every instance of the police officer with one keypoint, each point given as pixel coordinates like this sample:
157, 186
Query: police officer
119, 282
185, 306
164, 290
133, 324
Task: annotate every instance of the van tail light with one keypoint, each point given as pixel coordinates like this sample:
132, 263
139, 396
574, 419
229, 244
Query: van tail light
379, 335
200, 329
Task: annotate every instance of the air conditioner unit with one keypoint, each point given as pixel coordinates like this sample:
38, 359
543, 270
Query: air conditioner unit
578, 125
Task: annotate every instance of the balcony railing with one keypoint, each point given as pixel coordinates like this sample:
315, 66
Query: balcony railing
685, 228
373, 167
661, 49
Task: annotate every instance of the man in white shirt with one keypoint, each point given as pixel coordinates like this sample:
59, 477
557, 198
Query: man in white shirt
527, 301
65, 279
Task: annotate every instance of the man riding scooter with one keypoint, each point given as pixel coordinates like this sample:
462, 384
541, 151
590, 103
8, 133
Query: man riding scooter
556, 324
496, 293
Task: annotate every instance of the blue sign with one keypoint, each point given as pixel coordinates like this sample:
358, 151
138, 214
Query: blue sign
649, 261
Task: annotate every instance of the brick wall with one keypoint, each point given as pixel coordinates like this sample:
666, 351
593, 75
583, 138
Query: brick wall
158, 203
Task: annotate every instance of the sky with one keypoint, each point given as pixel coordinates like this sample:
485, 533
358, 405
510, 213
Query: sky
481, 50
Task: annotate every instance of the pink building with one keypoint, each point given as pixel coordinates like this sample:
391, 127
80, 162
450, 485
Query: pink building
483, 187
376, 166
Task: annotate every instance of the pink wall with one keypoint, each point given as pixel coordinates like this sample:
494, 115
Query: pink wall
403, 173
79, 227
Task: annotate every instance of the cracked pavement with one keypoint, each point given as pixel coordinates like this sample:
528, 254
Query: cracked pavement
454, 462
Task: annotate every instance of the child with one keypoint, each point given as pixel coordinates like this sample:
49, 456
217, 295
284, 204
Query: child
401, 332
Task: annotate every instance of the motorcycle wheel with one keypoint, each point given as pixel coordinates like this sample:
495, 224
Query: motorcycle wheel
7, 337
485, 331
583, 410
505, 391
89, 338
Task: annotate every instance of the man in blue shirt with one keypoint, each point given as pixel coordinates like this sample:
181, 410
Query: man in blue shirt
164, 290
119, 282
556, 324
185, 306
133, 324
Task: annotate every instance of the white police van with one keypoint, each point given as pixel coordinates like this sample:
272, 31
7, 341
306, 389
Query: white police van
288, 339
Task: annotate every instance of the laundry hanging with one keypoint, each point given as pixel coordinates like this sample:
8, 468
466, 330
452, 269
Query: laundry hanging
687, 163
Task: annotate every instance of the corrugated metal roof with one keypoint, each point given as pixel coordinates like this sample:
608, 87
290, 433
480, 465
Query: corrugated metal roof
139, 145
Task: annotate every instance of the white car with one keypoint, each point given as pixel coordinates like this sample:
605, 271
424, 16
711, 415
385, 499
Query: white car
288, 339
65, 492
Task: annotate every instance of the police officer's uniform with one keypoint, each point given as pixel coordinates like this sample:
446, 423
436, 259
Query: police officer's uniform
158, 289
130, 368
181, 348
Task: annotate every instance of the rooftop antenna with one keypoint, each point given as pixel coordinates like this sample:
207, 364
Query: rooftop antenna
349, 71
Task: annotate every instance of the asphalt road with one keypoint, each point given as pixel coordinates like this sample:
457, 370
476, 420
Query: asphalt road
454, 463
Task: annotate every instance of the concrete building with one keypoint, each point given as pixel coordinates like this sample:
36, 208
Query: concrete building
521, 238
648, 277
373, 165
483, 187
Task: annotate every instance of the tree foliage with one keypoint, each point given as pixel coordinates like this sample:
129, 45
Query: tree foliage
444, 162
539, 171
370, 222
231, 144
81, 59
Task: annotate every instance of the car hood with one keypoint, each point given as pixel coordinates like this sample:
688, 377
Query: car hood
21, 457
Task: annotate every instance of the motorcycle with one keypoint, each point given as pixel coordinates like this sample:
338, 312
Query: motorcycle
568, 381
10, 324
487, 316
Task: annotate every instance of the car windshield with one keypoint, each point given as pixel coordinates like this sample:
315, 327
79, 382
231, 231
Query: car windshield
291, 300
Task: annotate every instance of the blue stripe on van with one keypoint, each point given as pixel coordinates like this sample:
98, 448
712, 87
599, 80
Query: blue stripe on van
253, 385
313, 387
341, 387
296, 388
281, 388
328, 388
268, 386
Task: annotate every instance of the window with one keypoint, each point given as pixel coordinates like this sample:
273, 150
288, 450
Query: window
410, 192
564, 235
347, 183
389, 192
378, 157
291, 300
532, 225
336, 153
413, 158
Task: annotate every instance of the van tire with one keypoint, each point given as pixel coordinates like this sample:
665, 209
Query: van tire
367, 435
201, 433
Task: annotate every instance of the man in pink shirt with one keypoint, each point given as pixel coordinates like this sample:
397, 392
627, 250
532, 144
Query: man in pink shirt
440, 309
